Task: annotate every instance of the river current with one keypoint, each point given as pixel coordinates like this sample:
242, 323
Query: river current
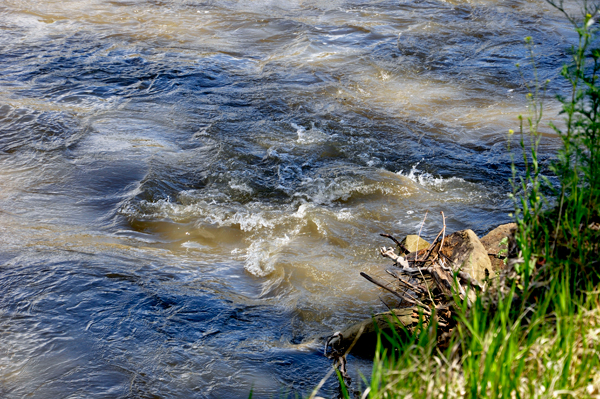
189, 189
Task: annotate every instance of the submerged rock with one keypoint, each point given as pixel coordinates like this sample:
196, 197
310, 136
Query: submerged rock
365, 333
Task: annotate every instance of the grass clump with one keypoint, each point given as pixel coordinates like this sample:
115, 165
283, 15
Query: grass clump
537, 335
535, 355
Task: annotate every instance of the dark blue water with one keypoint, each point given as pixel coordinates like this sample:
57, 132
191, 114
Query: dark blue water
189, 189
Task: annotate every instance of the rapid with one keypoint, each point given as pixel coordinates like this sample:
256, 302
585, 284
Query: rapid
190, 188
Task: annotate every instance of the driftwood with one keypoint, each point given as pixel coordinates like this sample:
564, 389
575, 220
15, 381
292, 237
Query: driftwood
364, 334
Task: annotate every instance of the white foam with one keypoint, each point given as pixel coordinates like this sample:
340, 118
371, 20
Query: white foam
327, 191
213, 213
311, 136
262, 255
344, 215
302, 209
249, 221
194, 246
427, 180
241, 186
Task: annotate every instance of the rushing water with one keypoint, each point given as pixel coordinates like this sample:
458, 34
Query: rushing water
189, 189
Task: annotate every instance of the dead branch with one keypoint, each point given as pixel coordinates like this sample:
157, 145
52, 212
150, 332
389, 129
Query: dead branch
413, 301
398, 243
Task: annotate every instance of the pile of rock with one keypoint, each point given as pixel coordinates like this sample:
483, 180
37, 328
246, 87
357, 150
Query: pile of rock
426, 279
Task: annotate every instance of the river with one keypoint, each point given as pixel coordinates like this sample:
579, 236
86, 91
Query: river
189, 189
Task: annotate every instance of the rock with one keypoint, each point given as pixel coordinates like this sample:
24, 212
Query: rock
414, 243
467, 253
367, 341
491, 242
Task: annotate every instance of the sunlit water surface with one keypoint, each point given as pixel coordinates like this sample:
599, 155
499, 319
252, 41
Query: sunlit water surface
189, 189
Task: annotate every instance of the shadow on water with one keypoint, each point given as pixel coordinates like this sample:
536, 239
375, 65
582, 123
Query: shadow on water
188, 190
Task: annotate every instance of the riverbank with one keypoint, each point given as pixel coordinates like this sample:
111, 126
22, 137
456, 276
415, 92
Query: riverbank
472, 331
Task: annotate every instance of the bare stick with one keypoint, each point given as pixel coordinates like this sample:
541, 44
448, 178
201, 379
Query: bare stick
412, 302
443, 230
431, 247
402, 247
385, 287
441, 233
406, 283
419, 236
389, 252
391, 273
427, 285
413, 270
386, 305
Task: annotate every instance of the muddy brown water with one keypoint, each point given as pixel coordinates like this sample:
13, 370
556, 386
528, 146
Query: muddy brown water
189, 189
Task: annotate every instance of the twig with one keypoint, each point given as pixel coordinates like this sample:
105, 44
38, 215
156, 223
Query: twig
406, 283
386, 305
443, 230
389, 252
419, 237
391, 273
384, 286
428, 289
445, 256
426, 308
441, 233
413, 270
398, 243
431, 247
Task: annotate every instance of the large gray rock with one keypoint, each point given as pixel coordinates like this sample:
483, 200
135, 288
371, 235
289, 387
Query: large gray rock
468, 254
495, 250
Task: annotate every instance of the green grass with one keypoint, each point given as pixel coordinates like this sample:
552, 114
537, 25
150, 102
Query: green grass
534, 354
